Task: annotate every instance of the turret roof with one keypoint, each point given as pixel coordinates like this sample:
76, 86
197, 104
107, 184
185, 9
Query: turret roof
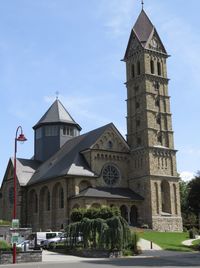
56, 114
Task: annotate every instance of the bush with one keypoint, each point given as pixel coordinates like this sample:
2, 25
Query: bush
127, 252
2, 222
104, 213
192, 233
4, 245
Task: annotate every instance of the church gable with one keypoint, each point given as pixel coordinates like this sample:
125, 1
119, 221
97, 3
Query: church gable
133, 46
111, 140
155, 43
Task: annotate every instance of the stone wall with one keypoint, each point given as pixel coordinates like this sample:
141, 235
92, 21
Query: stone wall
22, 257
167, 224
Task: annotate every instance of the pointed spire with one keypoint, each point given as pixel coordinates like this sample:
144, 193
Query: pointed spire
56, 114
143, 27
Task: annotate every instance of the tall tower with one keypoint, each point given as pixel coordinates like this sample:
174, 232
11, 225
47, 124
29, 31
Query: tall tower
153, 171
54, 128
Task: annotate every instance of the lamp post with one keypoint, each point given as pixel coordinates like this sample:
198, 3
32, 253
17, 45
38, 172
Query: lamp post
20, 138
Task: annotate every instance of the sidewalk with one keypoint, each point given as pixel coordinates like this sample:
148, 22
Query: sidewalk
189, 241
148, 245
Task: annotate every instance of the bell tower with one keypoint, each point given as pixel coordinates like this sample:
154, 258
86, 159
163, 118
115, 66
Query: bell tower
153, 171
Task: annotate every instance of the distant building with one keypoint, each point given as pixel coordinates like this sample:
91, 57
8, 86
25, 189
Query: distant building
101, 168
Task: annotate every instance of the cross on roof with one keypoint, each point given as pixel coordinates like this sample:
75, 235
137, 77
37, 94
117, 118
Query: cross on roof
142, 2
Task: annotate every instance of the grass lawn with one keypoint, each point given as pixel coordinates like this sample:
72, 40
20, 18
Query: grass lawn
167, 240
196, 242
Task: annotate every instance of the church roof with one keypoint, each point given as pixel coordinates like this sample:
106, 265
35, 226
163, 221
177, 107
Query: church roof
143, 27
25, 169
56, 114
112, 193
69, 160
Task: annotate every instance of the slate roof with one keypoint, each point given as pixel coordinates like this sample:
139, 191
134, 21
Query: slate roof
69, 160
109, 193
25, 169
56, 114
143, 27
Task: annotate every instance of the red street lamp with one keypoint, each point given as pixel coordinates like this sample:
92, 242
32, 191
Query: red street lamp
20, 138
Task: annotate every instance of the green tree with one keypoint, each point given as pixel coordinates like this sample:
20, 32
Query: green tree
184, 190
194, 194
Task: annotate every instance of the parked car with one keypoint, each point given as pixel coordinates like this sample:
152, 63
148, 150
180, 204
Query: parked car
52, 242
24, 245
37, 237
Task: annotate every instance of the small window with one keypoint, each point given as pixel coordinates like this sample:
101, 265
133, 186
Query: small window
157, 103
138, 68
137, 105
136, 89
156, 85
38, 133
139, 141
158, 120
51, 131
160, 138
159, 68
152, 66
110, 145
138, 122
133, 71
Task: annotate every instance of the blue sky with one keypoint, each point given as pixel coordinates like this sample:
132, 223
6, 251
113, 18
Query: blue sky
75, 47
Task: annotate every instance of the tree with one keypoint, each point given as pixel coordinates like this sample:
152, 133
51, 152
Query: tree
184, 190
108, 231
194, 194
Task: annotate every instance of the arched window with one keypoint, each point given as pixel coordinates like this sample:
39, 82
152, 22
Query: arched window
152, 66
157, 197
157, 102
48, 201
61, 198
175, 199
138, 68
158, 120
132, 70
159, 138
35, 200
159, 68
124, 212
166, 200
134, 216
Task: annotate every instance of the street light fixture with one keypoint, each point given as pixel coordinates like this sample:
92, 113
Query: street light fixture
20, 138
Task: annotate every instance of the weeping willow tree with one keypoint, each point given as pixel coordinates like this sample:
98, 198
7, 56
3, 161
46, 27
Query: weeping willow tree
111, 233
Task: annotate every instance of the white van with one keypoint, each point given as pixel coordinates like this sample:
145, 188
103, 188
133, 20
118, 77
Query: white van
37, 237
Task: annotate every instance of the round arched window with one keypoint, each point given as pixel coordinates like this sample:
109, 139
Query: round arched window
110, 174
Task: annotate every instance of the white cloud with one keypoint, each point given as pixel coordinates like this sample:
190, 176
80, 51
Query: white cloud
187, 175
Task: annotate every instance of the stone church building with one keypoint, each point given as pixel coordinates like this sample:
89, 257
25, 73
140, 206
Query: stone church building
100, 168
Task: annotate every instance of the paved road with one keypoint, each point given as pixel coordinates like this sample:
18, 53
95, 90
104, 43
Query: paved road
165, 259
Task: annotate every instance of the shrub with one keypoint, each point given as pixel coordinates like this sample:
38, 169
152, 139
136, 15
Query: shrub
79, 214
4, 245
192, 233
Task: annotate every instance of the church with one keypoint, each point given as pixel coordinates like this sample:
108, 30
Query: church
100, 168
